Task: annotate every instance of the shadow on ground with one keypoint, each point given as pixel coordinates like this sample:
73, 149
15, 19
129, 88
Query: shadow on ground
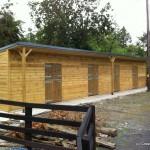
131, 116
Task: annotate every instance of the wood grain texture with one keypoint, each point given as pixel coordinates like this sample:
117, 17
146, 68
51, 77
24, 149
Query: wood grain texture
4, 86
116, 78
74, 75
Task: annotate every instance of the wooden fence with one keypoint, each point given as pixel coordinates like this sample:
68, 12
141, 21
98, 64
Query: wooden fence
85, 138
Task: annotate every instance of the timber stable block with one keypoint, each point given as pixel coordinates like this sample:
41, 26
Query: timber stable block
47, 74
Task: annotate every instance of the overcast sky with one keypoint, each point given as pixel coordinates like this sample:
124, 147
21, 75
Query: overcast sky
128, 13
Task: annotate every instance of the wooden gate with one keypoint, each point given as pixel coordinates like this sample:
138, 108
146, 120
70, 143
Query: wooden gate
53, 83
116, 78
92, 79
134, 77
85, 136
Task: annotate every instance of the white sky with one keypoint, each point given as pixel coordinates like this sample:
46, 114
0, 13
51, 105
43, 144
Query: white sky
128, 13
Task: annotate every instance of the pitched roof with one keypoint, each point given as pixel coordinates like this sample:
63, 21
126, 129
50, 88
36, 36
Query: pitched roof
65, 50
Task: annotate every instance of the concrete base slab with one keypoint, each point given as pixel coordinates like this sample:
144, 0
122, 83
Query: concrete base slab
98, 98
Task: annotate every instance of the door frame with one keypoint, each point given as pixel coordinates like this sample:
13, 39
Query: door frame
53, 101
96, 78
133, 77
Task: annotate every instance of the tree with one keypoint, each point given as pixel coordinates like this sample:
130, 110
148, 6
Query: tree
110, 43
10, 29
80, 24
116, 41
136, 50
71, 23
30, 36
123, 37
143, 40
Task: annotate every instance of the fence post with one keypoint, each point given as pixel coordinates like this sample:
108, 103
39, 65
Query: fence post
28, 124
94, 129
85, 144
79, 143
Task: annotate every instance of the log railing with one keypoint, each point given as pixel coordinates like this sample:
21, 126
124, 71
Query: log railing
85, 138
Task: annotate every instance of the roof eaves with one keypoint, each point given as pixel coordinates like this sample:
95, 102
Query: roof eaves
64, 49
11, 46
71, 50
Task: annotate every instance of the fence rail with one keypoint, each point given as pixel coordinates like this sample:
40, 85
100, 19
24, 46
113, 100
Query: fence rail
85, 137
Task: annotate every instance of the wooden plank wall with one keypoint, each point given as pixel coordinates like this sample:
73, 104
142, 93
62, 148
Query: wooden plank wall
4, 78
34, 79
105, 78
74, 81
74, 75
126, 82
125, 76
141, 75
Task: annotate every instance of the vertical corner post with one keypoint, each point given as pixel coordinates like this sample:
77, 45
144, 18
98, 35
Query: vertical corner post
112, 59
24, 74
9, 81
24, 53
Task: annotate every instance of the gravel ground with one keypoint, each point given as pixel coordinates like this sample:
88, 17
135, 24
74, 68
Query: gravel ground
131, 116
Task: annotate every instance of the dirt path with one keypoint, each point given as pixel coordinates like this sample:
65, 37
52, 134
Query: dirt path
131, 116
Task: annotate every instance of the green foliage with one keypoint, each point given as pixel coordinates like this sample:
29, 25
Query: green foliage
71, 23
143, 40
30, 36
109, 43
136, 50
10, 29
119, 42
123, 37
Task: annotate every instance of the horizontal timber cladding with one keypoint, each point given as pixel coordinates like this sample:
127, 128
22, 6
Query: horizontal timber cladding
4, 86
126, 74
74, 76
134, 76
74, 81
35, 79
74, 71
142, 75
104, 78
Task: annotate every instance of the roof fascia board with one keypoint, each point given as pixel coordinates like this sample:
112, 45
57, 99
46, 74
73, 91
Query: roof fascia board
70, 51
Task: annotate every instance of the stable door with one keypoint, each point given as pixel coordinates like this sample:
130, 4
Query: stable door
53, 83
134, 77
92, 80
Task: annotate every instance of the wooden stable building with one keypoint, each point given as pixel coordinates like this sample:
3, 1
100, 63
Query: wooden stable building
41, 73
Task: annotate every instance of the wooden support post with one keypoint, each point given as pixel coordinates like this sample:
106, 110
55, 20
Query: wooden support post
9, 80
112, 59
24, 74
24, 55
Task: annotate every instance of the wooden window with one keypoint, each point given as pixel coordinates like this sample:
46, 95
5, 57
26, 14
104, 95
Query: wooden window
92, 79
53, 83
